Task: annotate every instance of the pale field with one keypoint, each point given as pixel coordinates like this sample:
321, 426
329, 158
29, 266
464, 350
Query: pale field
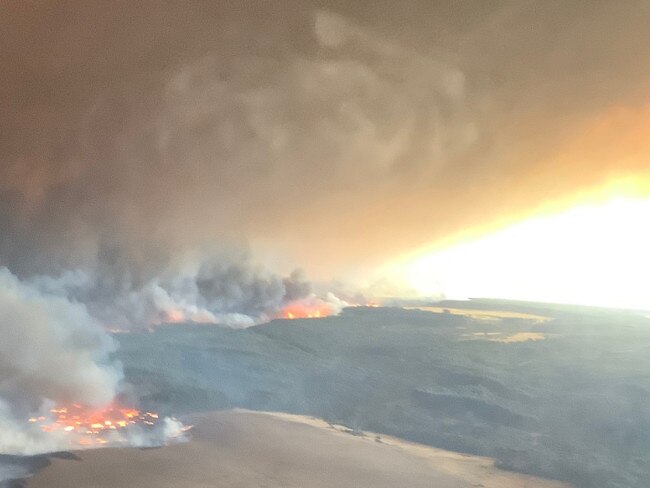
470, 469
483, 314
522, 337
497, 337
242, 449
493, 316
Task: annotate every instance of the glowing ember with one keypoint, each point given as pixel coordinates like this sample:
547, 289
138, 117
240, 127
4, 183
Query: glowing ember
95, 427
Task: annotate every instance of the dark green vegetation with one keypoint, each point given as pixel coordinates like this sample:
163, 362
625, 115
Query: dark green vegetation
575, 406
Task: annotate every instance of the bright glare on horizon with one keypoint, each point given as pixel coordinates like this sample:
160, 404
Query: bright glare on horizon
597, 254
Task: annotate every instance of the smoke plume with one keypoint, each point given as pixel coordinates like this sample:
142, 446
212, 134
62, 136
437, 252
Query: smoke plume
52, 351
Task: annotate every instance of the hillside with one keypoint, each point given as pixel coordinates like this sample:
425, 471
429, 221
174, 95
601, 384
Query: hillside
570, 405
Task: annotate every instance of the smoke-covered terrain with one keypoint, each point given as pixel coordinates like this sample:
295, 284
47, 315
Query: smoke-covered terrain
572, 406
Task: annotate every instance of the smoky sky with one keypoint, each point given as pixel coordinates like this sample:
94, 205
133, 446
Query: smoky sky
330, 134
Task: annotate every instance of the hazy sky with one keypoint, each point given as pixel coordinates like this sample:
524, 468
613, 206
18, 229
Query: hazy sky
334, 136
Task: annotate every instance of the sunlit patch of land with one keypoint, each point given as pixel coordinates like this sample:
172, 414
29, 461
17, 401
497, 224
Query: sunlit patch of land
470, 469
506, 339
484, 314
522, 337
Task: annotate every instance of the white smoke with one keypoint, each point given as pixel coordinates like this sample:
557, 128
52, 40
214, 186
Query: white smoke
51, 348
170, 430
53, 352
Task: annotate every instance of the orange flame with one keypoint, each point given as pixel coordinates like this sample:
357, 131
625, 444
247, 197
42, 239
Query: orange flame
179, 315
301, 309
313, 307
91, 426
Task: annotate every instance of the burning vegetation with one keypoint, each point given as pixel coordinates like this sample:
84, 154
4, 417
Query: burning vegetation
299, 311
314, 307
86, 427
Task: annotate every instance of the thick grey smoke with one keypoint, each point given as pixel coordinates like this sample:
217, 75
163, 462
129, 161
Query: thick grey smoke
225, 290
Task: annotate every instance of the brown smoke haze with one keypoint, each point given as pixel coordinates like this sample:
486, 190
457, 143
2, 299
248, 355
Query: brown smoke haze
134, 133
